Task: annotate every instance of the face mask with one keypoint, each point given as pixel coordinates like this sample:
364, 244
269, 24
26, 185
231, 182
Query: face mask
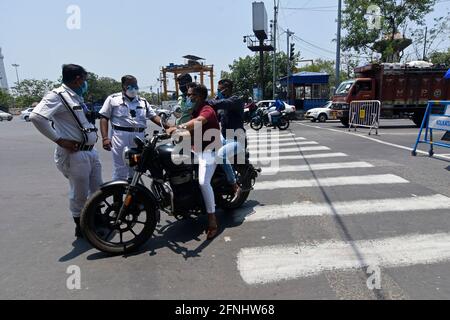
190, 105
81, 91
220, 95
132, 92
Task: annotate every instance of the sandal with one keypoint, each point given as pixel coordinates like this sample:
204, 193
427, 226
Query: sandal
212, 229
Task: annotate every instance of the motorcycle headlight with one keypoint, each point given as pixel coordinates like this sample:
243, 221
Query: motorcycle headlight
130, 157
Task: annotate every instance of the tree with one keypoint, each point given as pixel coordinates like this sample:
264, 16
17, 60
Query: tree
328, 66
245, 72
426, 44
30, 91
6, 100
396, 15
152, 98
100, 88
441, 57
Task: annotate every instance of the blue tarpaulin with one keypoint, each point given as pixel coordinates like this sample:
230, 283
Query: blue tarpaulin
447, 76
305, 77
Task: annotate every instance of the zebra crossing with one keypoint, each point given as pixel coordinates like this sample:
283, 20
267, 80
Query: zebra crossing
276, 263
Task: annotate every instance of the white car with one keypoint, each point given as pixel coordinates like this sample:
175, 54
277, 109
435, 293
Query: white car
321, 114
289, 109
5, 116
25, 115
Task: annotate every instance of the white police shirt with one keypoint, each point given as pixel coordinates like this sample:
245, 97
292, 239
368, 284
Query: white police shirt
123, 112
52, 108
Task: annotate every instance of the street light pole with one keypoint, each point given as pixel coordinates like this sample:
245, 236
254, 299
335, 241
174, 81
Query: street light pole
15, 65
289, 34
338, 44
275, 30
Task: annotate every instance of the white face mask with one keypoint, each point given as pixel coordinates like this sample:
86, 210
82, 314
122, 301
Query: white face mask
132, 93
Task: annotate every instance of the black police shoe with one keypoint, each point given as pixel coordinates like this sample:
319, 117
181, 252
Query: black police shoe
78, 232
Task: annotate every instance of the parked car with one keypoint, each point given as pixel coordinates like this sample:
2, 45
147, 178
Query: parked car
25, 115
268, 103
289, 109
168, 111
5, 116
321, 114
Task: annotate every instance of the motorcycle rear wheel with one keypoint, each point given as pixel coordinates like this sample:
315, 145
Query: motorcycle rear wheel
283, 123
241, 172
99, 215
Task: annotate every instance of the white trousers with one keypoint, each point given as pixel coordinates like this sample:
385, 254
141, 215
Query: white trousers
206, 168
120, 140
84, 172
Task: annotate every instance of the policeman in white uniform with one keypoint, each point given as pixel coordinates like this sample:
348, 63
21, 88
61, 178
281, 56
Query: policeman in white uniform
75, 155
128, 114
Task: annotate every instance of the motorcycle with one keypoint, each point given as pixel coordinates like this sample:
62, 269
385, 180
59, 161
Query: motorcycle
249, 113
122, 216
262, 119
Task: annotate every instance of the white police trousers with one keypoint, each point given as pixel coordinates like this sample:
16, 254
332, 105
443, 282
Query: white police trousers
84, 172
120, 140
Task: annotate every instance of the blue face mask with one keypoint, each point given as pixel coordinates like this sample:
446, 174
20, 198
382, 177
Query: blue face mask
81, 91
190, 105
220, 95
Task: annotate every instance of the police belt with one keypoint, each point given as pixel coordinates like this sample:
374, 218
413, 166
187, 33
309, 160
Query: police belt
128, 129
86, 148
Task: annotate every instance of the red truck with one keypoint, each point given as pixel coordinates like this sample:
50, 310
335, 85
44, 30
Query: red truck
401, 90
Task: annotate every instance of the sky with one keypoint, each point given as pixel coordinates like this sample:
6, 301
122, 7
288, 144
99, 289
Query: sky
138, 37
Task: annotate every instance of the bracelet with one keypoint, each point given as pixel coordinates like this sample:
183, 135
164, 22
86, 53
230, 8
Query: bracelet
105, 139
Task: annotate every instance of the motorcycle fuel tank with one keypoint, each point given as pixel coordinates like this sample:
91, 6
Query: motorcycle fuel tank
172, 160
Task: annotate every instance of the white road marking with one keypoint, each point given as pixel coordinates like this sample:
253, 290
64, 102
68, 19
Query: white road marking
263, 265
255, 146
264, 140
376, 140
345, 208
297, 157
331, 182
270, 152
316, 167
273, 134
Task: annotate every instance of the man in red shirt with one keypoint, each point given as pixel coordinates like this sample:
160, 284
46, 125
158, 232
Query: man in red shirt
205, 130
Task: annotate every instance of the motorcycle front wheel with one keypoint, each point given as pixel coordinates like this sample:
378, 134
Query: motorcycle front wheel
98, 220
256, 123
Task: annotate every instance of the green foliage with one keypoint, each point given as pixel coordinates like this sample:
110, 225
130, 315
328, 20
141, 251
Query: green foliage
152, 98
395, 17
245, 72
30, 91
6, 100
101, 87
441, 57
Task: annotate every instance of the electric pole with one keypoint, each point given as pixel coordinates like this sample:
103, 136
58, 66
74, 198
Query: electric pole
15, 65
289, 34
275, 30
338, 44
425, 44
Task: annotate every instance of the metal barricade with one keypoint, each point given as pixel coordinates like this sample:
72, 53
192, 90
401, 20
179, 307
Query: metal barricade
437, 118
365, 114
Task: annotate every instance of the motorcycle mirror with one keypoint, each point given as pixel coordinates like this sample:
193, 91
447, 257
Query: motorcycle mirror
139, 142
163, 120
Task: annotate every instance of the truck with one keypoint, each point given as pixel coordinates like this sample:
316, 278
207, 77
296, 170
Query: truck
402, 89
